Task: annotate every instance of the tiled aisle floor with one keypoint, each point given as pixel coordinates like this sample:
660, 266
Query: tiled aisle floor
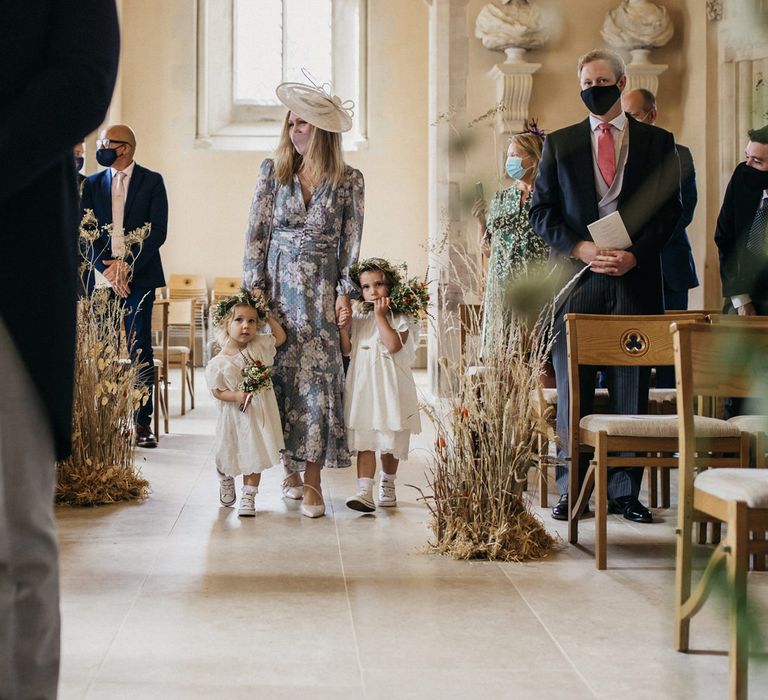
178, 598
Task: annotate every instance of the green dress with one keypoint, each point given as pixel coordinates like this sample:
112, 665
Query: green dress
514, 246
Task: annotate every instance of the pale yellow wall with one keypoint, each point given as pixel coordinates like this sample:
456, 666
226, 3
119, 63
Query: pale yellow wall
555, 99
210, 191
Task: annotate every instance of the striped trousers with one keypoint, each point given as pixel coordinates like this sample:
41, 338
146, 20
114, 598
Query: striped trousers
627, 386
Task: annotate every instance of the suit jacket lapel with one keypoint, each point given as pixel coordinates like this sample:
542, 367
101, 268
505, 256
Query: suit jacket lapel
638, 148
106, 193
585, 173
136, 178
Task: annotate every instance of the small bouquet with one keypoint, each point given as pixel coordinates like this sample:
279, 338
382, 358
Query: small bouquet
256, 376
410, 298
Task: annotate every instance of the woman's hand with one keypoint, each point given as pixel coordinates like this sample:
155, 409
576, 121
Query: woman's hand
381, 307
343, 304
343, 318
257, 293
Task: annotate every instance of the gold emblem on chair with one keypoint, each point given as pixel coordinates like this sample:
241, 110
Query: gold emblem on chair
634, 343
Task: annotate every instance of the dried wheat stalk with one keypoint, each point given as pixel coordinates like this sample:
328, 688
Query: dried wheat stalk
101, 467
486, 444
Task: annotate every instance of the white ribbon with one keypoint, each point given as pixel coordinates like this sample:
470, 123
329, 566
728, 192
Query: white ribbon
326, 89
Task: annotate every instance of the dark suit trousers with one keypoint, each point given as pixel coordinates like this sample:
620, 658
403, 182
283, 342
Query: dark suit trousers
627, 386
673, 301
737, 405
138, 331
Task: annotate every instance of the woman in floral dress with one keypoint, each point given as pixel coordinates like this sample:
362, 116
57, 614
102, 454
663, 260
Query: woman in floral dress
505, 228
303, 235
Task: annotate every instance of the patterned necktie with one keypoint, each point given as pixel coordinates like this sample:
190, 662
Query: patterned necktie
757, 232
118, 210
606, 153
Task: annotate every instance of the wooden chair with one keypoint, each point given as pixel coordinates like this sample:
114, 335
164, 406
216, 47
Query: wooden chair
706, 363
627, 341
193, 287
181, 315
224, 287
755, 425
160, 329
660, 402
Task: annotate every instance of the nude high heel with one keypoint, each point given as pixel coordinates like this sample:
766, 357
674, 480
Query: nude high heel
312, 511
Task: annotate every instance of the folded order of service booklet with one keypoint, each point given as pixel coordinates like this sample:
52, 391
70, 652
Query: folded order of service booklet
610, 232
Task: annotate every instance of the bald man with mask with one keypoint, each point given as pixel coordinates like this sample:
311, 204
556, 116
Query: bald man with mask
128, 196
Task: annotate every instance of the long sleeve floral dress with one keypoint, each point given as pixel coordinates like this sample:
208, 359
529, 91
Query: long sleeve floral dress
514, 247
302, 267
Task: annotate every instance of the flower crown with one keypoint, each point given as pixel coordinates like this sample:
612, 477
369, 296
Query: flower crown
391, 272
258, 303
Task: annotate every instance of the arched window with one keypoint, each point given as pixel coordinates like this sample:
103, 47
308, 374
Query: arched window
247, 47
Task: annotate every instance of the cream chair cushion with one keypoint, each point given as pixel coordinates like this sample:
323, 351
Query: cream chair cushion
655, 426
750, 424
748, 485
601, 396
663, 395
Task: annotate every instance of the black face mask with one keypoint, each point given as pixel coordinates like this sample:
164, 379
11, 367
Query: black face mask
106, 156
600, 98
79, 163
754, 179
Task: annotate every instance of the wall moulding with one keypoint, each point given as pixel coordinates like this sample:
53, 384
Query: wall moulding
714, 10
641, 73
514, 84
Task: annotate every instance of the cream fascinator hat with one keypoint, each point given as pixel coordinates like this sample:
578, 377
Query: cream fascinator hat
316, 105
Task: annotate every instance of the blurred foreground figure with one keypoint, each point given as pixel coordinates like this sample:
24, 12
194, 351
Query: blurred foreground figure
58, 61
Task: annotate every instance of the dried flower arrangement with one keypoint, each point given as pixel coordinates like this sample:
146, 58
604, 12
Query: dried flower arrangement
487, 436
101, 467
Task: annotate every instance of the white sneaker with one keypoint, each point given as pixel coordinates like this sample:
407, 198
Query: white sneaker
227, 491
387, 496
247, 507
362, 501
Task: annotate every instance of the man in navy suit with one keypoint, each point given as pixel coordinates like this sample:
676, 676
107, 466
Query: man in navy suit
677, 265
127, 196
604, 164
58, 62
741, 234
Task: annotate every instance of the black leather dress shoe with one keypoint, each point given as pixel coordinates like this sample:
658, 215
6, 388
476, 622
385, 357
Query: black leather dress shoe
145, 437
560, 511
631, 509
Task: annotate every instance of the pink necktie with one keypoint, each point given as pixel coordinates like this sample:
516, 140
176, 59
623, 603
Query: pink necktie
118, 209
606, 155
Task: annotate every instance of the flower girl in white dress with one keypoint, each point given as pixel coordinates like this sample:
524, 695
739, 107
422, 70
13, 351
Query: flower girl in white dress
249, 435
381, 409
